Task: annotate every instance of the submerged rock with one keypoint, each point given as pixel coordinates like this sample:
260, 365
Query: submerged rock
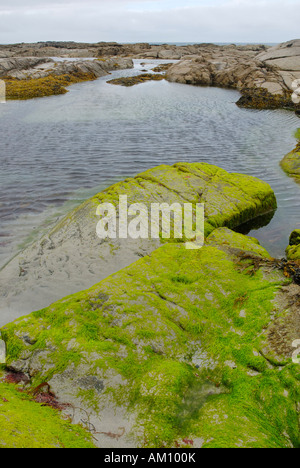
71, 257
135, 80
181, 345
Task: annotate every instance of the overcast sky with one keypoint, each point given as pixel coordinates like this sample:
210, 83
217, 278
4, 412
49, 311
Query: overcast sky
268, 21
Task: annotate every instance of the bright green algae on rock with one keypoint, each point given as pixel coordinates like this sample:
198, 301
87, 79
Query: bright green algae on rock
293, 250
27, 424
72, 257
230, 199
227, 238
179, 339
291, 163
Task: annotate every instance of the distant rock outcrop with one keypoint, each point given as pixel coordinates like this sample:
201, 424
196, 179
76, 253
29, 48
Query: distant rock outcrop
30, 68
273, 71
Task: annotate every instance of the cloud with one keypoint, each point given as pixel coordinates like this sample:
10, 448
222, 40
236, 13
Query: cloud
149, 20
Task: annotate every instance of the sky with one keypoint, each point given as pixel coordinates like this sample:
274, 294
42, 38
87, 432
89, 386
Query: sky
244, 21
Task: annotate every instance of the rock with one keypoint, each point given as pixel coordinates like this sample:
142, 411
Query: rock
295, 237
71, 257
49, 78
190, 72
162, 67
12, 65
285, 56
261, 98
135, 80
291, 163
233, 72
265, 80
169, 55
171, 348
293, 250
23, 68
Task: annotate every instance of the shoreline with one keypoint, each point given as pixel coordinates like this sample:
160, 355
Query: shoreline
168, 347
265, 76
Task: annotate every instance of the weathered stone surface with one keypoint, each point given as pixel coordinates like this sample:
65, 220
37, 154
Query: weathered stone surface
285, 56
12, 65
273, 71
108, 49
182, 345
232, 71
23, 68
71, 257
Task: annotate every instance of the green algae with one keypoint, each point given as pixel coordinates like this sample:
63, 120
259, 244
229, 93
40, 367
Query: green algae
293, 250
225, 237
184, 332
230, 199
291, 163
297, 134
27, 424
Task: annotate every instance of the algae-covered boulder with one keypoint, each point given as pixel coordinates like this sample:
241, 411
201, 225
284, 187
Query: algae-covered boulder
291, 163
27, 424
183, 347
71, 257
293, 250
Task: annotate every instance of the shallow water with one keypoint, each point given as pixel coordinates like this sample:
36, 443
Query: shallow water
57, 151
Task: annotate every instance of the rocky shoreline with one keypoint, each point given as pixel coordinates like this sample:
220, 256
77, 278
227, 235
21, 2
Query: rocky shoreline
155, 345
28, 78
265, 76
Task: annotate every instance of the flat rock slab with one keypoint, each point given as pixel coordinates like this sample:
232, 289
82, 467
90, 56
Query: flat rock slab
286, 56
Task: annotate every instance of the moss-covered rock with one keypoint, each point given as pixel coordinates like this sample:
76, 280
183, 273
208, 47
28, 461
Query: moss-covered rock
182, 347
293, 250
295, 237
27, 424
236, 242
71, 257
291, 163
